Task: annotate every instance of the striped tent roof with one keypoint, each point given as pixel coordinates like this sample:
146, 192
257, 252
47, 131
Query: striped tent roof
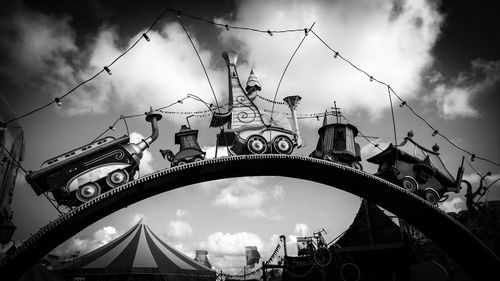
138, 252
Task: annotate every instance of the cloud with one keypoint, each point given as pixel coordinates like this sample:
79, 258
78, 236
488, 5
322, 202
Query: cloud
210, 151
301, 229
392, 41
250, 197
392, 46
368, 150
38, 46
145, 167
220, 243
456, 98
180, 213
179, 229
84, 245
183, 249
454, 205
44, 49
136, 218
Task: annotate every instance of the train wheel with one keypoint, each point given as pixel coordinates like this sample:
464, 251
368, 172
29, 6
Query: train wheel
357, 166
256, 144
282, 145
197, 159
431, 195
117, 178
180, 163
88, 191
350, 272
322, 257
409, 183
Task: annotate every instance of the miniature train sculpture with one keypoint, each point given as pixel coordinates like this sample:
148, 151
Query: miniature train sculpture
83, 173
190, 150
337, 143
417, 169
249, 129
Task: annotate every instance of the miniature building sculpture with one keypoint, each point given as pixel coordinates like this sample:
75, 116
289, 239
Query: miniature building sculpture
417, 169
337, 142
190, 150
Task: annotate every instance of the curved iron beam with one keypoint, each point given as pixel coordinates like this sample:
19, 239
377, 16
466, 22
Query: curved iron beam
460, 243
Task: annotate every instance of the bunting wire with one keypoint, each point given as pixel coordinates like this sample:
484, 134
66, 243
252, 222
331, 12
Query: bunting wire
288, 64
124, 118
273, 255
270, 32
198, 55
367, 138
28, 175
404, 103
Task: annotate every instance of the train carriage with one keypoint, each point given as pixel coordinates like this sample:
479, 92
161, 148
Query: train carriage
83, 173
417, 169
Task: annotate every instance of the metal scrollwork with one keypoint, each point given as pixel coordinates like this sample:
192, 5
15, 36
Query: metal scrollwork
243, 116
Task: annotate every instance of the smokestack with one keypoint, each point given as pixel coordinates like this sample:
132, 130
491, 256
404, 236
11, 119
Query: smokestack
292, 102
252, 255
283, 238
201, 258
153, 118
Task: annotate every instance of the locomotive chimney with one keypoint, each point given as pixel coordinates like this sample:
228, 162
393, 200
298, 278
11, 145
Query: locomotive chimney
153, 118
292, 102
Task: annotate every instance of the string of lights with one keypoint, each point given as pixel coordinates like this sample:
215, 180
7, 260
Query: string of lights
178, 13
229, 27
58, 100
404, 103
306, 31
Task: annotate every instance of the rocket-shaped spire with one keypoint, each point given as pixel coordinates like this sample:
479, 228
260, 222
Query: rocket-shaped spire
252, 82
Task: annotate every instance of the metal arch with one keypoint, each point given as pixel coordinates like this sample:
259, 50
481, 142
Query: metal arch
460, 244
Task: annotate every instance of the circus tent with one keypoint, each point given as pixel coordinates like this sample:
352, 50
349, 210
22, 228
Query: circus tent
139, 254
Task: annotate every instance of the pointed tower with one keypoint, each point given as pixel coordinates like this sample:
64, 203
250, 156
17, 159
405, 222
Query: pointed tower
253, 86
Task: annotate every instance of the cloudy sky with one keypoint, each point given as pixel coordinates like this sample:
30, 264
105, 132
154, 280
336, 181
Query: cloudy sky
440, 56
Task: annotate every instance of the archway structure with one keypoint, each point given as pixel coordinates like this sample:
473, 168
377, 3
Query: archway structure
460, 243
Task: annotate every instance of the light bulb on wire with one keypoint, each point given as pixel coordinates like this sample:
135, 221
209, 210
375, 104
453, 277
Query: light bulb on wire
107, 70
58, 101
